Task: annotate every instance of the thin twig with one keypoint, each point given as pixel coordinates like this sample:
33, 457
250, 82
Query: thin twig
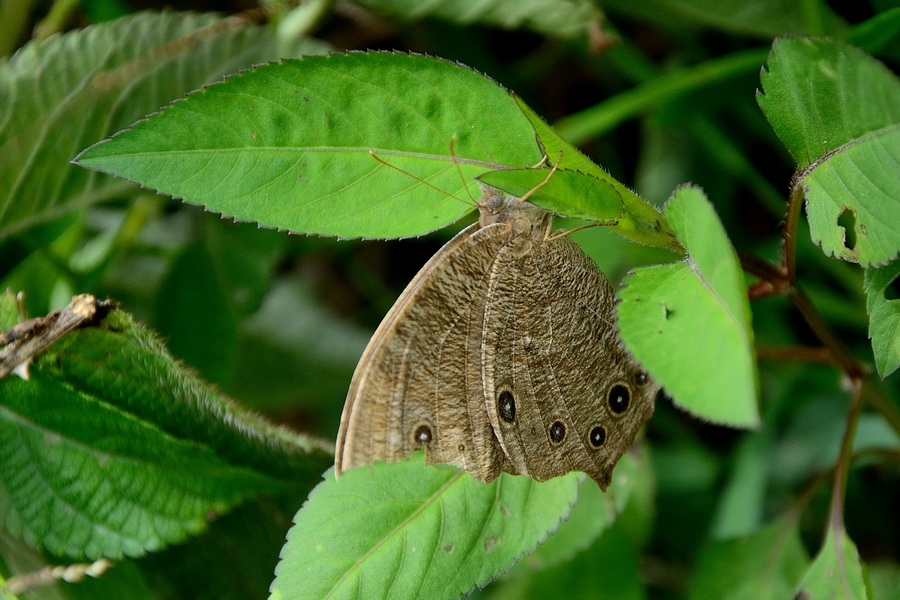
26, 340
852, 369
52, 574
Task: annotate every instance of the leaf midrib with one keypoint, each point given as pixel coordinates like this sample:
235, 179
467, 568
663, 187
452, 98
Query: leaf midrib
86, 162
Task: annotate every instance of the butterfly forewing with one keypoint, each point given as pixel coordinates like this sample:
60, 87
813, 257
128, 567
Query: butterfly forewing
417, 384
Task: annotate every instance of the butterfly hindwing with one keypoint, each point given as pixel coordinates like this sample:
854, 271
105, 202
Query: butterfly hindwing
554, 356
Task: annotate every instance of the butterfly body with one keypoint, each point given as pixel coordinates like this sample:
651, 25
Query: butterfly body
501, 355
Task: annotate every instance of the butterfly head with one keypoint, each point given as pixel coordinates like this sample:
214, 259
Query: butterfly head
497, 206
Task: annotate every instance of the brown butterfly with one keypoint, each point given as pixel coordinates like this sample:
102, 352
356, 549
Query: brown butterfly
502, 354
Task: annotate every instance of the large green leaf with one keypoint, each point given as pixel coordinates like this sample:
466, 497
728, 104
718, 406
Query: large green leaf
406, 530
836, 573
557, 18
884, 317
836, 110
112, 448
763, 566
69, 91
363, 144
689, 322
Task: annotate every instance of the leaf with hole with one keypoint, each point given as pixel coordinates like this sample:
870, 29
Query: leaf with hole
689, 322
884, 316
836, 110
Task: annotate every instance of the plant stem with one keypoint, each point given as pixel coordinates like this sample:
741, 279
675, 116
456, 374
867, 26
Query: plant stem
765, 270
805, 353
783, 280
791, 223
836, 518
814, 17
848, 364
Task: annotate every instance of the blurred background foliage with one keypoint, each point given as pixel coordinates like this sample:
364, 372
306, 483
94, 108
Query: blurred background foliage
659, 93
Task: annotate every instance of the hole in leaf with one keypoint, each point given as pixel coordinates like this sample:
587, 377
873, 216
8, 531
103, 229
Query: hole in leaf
892, 291
847, 220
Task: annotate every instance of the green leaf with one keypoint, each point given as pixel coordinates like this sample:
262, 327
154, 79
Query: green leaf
884, 317
877, 34
113, 449
365, 144
642, 222
689, 322
836, 110
409, 531
559, 152
9, 311
836, 572
757, 18
557, 18
883, 575
64, 93
764, 565
567, 193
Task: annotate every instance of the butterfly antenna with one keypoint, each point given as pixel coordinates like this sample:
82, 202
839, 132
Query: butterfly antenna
542, 162
456, 163
540, 185
563, 234
411, 175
